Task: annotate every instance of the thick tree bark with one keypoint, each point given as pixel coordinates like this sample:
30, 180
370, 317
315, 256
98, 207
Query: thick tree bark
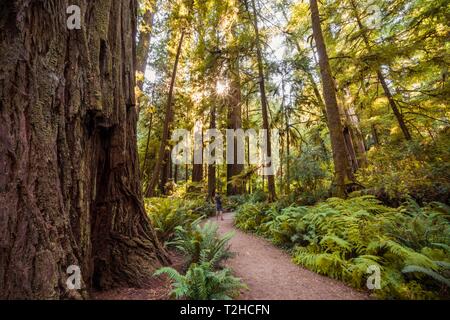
69, 186
168, 120
341, 165
264, 103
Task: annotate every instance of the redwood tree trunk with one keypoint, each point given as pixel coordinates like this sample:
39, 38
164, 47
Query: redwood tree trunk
69, 182
341, 165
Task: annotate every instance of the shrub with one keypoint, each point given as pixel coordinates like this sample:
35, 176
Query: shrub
168, 213
342, 238
165, 216
202, 244
250, 216
201, 282
417, 169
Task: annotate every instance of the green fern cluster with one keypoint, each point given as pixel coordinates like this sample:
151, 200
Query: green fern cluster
342, 238
202, 243
251, 215
202, 282
166, 214
205, 249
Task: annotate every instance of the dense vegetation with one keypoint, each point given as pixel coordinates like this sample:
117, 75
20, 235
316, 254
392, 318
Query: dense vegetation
359, 93
342, 238
351, 95
203, 248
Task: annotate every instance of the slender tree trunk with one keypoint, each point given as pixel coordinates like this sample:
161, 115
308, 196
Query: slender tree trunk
149, 133
166, 172
234, 122
197, 168
288, 154
175, 174
395, 110
143, 45
167, 122
341, 165
247, 117
212, 167
356, 136
264, 104
381, 77
142, 53
374, 134
69, 187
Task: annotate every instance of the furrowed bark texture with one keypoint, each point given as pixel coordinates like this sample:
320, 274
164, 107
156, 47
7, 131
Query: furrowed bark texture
69, 182
341, 164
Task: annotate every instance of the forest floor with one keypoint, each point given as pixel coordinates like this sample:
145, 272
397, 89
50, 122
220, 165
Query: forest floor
270, 273
267, 270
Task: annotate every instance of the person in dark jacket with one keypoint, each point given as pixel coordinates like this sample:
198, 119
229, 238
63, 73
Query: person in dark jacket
219, 209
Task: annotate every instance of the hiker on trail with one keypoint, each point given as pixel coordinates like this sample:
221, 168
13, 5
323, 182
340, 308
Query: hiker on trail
219, 209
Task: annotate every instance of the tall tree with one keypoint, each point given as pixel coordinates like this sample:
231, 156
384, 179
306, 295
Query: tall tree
263, 96
69, 190
381, 77
234, 120
143, 45
341, 165
167, 121
212, 167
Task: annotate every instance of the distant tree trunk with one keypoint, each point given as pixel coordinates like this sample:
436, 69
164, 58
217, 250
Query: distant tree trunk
212, 167
69, 186
356, 136
168, 120
197, 172
234, 122
264, 104
147, 150
375, 138
285, 115
143, 45
381, 77
197, 168
349, 144
175, 174
166, 172
341, 165
247, 118
394, 107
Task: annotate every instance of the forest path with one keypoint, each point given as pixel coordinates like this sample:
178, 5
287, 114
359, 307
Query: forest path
270, 273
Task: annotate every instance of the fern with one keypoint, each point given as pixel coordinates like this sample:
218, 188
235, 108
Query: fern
202, 243
433, 274
342, 238
201, 282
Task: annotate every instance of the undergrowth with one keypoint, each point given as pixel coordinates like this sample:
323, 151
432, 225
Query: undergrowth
342, 238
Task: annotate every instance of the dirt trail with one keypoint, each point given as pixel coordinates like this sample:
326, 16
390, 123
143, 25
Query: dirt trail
270, 274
